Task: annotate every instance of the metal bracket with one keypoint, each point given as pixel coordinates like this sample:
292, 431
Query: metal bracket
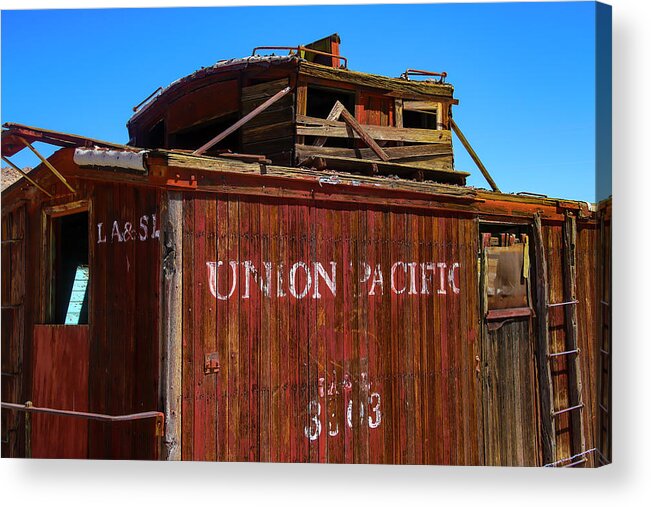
211, 363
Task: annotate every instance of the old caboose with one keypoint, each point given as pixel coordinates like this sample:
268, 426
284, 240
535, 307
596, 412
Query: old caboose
284, 265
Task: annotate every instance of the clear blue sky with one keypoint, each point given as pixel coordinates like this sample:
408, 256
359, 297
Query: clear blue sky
523, 72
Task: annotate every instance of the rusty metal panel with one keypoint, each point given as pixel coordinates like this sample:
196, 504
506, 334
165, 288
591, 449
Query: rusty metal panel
342, 333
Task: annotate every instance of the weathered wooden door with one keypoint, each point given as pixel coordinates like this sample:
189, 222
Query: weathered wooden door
510, 405
60, 381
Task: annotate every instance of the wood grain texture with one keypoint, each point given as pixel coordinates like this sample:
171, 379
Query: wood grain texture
172, 256
408, 88
60, 381
305, 375
417, 351
311, 126
13, 295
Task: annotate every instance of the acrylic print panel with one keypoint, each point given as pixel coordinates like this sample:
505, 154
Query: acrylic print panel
333, 246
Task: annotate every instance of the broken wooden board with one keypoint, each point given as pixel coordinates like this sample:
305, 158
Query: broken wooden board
381, 167
395, 153
310, 126
425, 89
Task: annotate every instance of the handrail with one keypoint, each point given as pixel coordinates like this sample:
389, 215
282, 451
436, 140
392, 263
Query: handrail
28, 407
417, 72
302, 48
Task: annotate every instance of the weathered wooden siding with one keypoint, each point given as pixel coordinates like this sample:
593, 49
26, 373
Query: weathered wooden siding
124, 319
587, 338
603, 431
14, 239
61, 382
587, 320
123, 367
271, 133
296, 372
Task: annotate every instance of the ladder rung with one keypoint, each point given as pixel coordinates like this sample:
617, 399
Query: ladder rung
603, 408
606, 303
575, 407
564, 353
582, 460
573, 302
605, 352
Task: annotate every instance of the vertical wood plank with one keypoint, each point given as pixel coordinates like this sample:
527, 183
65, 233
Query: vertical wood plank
172, 265
544, 372
575, 384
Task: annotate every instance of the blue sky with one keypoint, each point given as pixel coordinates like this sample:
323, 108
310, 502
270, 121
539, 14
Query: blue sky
523, 72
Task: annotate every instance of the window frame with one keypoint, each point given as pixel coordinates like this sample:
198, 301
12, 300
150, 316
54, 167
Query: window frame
48, 258
502, 314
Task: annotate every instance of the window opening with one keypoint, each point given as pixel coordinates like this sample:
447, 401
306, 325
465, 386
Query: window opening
155, 136
195, 137
320, 102
506, 269
419, 119
70, 269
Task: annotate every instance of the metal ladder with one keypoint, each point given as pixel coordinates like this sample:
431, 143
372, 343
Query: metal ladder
546, 357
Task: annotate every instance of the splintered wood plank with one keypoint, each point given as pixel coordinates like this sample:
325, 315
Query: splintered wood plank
262, 91
418, 88
350, 120
334, 114
173, 322
395, 153
352, 164
310, 126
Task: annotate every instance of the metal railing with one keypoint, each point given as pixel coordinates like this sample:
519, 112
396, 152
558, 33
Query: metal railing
29, 409
298, 49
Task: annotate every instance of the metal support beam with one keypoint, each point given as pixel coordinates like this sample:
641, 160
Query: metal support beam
473, 155
47, 164
14, 166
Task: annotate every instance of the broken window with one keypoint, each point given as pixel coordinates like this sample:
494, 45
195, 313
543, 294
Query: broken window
321, 100
155, 136
419, 119
506, 270
422, 115
70, 270
195, 137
